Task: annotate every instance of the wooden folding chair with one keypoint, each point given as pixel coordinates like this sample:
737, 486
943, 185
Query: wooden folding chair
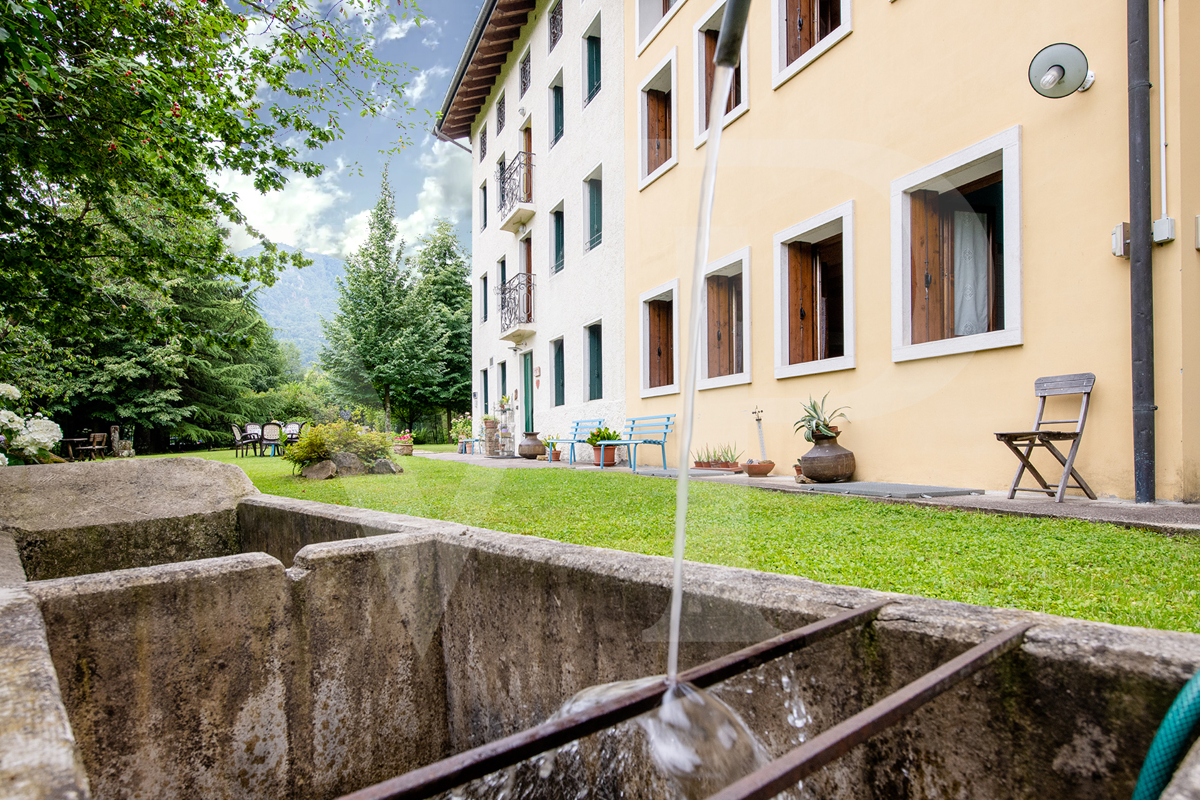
1021, 443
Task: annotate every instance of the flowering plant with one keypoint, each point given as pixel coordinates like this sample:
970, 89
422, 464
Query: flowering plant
403, 437
24, 440
460, 428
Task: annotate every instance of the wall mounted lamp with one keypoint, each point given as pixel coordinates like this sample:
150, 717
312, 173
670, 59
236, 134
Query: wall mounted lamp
1059, 70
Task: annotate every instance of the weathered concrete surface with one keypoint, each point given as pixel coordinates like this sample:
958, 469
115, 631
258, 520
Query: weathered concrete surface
175, 676
38, 757
408, 639
96, 516
11, 573
369, 640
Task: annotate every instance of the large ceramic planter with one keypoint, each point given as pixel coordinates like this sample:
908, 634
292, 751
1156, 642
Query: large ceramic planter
531, 446
402, 449
827, 461
610, 456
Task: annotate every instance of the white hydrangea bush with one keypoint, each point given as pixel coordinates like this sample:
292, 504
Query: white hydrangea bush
25, 439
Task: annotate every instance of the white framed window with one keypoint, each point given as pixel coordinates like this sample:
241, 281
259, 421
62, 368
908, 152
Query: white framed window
483, 205
593, 336
558, 371
558, 238
657, 121
483, 298
659, 340
592, 68
557, 115
652, 17
814, 294
725, 333
956, 252
704, 38
593, 202
803, 30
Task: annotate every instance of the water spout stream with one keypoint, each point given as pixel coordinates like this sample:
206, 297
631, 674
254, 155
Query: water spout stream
722, 79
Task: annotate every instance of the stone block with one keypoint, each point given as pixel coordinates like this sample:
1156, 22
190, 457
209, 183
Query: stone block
348, 464
176, 676
96, 516
385, 466
38, 756
321, 470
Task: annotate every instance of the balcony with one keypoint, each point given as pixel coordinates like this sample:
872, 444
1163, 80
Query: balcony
516, 192
516, 308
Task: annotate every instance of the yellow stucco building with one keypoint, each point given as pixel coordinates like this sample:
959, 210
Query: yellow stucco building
903, 222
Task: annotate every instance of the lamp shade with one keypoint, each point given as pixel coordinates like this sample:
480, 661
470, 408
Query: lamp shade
1069, 59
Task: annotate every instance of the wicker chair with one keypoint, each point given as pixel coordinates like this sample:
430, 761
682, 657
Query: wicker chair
94, 447
242, 442
272, 437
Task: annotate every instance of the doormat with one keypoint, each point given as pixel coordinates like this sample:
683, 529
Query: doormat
908, 491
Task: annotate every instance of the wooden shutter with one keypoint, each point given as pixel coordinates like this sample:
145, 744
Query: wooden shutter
658, 129
928, 278
503, 378
735, 89
595, 212
483, 379
798, 27
803, 314
724, 303
559, 240
595, 363
560, 379
661, 344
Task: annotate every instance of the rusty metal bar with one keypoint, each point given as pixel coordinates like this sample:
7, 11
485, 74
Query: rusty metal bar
783, 773
486, 759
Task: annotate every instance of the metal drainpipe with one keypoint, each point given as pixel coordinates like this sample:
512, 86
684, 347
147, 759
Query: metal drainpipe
1141, 244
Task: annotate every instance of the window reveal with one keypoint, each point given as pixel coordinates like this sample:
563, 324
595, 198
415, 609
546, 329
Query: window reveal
658, 129
816, 317
957, 274
735, 90
661, 342
807, 22
725, 325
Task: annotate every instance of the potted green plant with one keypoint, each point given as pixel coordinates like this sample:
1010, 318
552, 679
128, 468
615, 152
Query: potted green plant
402, 443
610, 453
553, 453
827, 461
703, 458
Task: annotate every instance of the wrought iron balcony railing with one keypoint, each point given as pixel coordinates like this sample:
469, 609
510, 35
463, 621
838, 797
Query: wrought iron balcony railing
516, 182
516, 301
556, 24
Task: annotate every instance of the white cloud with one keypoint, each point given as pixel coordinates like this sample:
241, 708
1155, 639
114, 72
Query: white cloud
396, 30
445, 193
295, 215
418, 88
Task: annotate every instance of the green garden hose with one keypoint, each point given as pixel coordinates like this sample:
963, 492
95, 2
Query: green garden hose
1166, 751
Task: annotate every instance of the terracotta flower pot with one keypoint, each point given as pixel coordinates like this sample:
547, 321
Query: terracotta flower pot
799, 471
402, 449
760, 469
610, 456
556, 455
703, 464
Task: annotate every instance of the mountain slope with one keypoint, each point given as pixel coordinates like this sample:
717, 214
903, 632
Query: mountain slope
299, 299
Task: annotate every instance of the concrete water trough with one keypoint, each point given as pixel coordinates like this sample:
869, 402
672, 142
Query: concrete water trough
309, 650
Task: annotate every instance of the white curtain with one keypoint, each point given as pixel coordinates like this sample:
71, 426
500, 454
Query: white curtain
970, 273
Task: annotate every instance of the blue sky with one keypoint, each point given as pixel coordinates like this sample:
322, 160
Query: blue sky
431, 179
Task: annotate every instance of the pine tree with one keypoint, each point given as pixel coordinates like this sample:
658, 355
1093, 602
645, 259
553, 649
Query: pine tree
383, 335
442, 273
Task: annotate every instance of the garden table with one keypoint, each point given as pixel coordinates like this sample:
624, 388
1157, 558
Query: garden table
70, 445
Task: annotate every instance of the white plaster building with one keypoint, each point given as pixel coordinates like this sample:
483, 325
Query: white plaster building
539, 92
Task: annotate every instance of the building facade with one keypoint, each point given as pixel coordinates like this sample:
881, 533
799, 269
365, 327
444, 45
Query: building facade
904, 223
539, 92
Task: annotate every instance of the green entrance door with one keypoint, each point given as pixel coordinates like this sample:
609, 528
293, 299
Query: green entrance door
527, 377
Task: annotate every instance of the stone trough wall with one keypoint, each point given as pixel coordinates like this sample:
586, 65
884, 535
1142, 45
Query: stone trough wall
404, 640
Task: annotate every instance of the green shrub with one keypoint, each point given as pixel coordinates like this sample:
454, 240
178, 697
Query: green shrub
602, 435
319, 442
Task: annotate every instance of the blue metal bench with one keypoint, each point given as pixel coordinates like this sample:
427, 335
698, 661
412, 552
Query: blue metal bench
580, 429
642, 430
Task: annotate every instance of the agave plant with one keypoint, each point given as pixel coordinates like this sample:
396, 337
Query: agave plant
816, 420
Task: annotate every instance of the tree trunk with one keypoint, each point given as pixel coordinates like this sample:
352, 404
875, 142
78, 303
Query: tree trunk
387, 409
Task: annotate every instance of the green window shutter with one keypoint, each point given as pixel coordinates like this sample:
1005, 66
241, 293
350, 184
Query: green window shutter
595, 213
483, 375
593, 66
558, 112
559, 378
559, 240
503, 378
595, 364
503, 272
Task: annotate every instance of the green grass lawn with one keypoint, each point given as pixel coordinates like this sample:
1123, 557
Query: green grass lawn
1079, 569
